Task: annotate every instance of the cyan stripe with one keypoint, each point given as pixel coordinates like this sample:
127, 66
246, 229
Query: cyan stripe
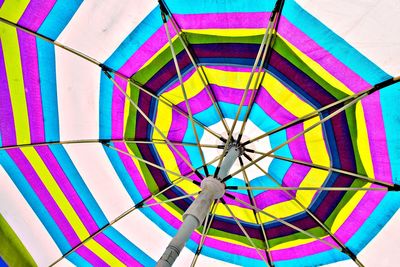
129, 247
78, 184
58, 18
33, 200
47, 72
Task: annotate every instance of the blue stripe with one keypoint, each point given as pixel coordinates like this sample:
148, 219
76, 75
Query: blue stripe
58, 18
33, 200
47, 72
129, 247
78, 184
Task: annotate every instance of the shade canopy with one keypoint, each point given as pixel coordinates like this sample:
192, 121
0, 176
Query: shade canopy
113, 112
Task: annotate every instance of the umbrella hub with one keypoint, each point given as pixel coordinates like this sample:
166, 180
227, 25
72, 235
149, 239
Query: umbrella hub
215, 188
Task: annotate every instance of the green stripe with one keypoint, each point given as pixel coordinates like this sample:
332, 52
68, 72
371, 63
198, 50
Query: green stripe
12, 250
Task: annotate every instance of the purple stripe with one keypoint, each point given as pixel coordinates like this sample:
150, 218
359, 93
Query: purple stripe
178, 127
66, 187
30, 70
43, 194
35, 13
91, 257
273, 108
116, 250
377, 137
177, 83
239, 20
118, 104
271, 197
7, 126
305, 44
198, 103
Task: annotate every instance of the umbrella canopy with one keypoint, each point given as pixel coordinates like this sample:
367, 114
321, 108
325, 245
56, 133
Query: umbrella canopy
113, 113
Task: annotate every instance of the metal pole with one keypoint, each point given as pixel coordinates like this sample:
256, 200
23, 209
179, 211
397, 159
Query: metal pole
212, 188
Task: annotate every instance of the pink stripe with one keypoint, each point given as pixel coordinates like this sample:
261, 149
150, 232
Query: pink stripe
272, 108
360, 214
118, 104
30, 70
116, 250
46, 199
147, 50
377, 137
65, 185
7, 126
134, 173
91, 257
35, 13
309, 47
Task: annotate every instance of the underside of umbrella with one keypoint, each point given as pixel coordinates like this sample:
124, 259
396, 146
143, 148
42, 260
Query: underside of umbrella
250, 131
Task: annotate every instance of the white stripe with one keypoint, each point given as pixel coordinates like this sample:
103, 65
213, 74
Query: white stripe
99, 27
78, 83
98, 174
372, 27
153, 241
19, 215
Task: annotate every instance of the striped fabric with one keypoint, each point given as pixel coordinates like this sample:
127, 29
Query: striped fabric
309, 67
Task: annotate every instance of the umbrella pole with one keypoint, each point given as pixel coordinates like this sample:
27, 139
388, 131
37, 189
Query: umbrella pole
212, 189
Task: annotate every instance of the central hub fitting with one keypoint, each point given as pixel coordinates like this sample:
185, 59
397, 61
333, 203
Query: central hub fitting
214, 186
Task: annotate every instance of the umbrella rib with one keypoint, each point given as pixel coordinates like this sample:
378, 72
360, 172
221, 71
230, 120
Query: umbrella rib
104, 67
118, 218
344, 249
319, 111
159, 141
149, 120
286, 188
199, 70
149, 163
281, 221
336, 112
256, 214
257, 59
206, 227
169, 200
390, 187
178, 71
274, 19
168, 103
245, 233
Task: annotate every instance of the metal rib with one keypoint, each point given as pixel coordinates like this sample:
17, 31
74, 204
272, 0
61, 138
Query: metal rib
199, 70
148, 119
118, 218
245, 233
256, 214
178, 71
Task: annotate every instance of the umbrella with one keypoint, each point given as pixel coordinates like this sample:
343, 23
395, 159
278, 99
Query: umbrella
251, 124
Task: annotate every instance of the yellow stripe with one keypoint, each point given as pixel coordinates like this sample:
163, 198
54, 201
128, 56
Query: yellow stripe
363, 141
127, 105
12, 10
348, 208
228, 32
55, 191
15, 79
161, 50
103, 253
193, 85
285, 97
318, 69
318, 153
